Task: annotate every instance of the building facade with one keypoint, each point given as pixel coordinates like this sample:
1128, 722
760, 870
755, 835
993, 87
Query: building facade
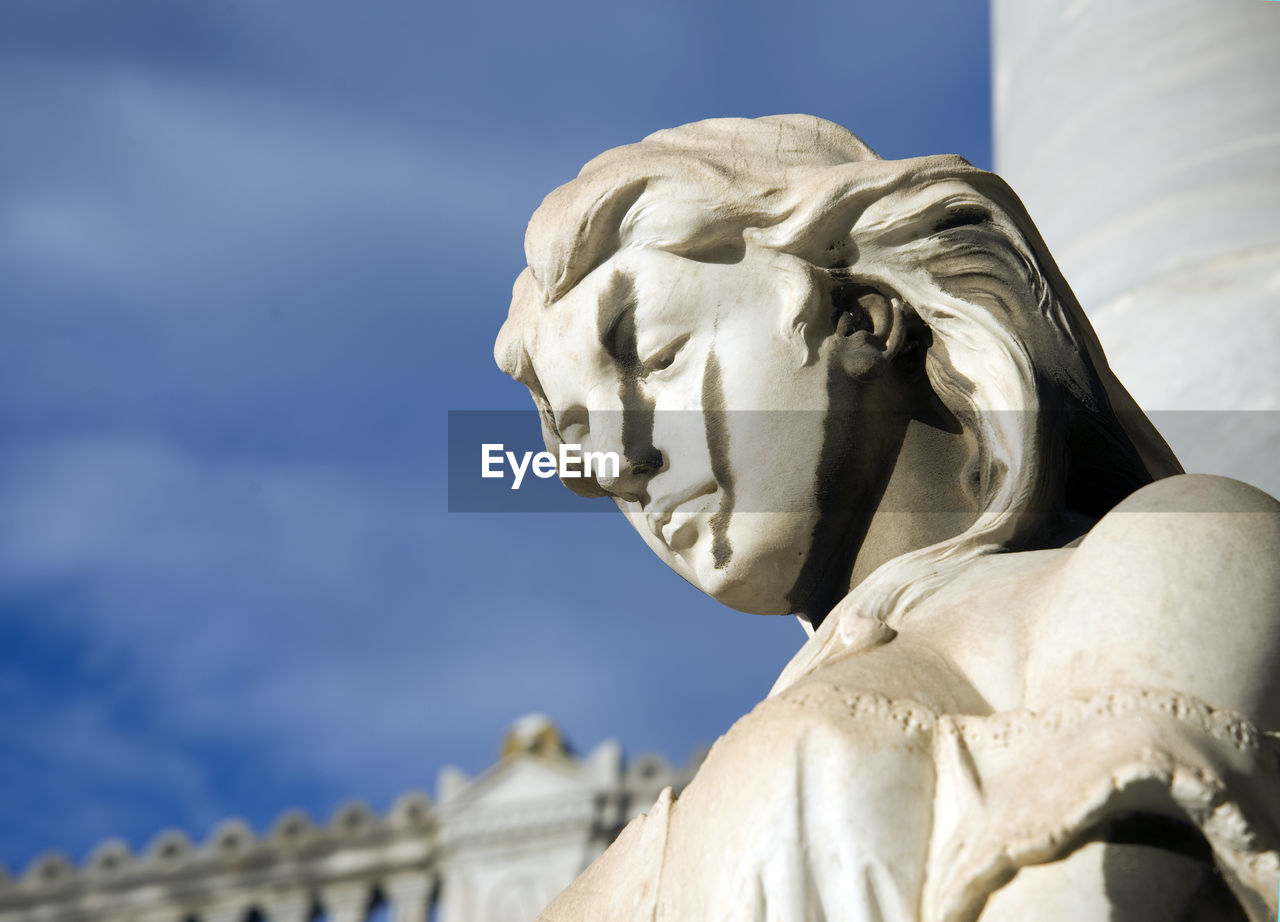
494, 848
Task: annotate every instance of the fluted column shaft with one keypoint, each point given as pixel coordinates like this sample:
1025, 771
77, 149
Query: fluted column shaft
345, 902
286, 907
409, 893
1144, 138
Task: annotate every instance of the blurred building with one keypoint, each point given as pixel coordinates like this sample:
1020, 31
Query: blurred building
494, 848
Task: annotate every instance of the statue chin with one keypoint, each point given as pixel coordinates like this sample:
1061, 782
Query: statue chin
749, 596
1045, 680
759, 576
751, 587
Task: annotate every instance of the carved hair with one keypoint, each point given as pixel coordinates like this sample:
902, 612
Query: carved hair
1011, 353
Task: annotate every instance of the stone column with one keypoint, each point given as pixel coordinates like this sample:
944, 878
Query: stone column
230, 909
286, 907
408, 893
159, 914
345, 902
1144, 138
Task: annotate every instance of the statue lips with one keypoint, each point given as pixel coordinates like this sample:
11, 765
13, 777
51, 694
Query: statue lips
664, 509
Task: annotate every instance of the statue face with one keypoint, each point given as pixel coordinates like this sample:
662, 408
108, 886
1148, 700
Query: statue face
689, 370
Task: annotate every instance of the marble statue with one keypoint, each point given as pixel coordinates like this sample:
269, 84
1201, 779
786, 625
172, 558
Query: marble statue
1043, 673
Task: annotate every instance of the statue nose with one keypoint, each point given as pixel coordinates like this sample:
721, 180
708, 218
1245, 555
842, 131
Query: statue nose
627, 433
635, 467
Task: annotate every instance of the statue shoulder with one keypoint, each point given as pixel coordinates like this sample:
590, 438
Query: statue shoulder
1177, 587
1199, 493
1179, 528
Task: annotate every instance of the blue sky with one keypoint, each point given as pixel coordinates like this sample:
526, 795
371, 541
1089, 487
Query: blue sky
250, 255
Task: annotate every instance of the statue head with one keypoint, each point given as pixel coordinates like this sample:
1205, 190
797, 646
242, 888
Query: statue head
752, 312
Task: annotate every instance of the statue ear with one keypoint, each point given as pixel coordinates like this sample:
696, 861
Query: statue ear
870, 328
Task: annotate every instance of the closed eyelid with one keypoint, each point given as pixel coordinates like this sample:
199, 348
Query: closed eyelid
664, 355
615, 316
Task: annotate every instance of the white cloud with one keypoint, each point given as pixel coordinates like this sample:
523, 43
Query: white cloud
302, 607
150, 184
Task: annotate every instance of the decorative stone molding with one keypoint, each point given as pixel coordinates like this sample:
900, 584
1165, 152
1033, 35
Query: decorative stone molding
109, 858
171, 847
354, 822
538, 816
292, 830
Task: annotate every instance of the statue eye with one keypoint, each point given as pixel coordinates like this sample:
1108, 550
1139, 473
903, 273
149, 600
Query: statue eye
665, 357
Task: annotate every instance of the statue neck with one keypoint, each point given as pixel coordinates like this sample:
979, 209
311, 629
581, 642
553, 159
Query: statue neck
923, 501
900, 492
917, 501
